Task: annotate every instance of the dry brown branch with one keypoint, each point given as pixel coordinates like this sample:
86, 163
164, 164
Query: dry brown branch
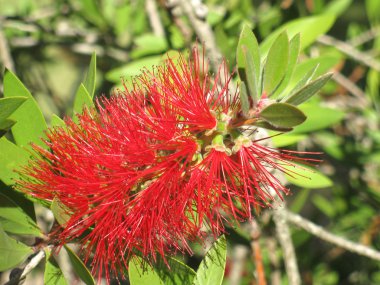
256, 252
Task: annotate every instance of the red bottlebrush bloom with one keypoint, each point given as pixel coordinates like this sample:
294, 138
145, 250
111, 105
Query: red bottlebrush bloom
143, 173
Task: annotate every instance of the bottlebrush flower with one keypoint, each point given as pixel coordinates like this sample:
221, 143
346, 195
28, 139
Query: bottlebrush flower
144, 172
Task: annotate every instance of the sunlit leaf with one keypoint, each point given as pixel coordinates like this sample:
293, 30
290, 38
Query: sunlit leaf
90, 79
53, 274
211, 269
276, 64
30, 124
307, 177
12, 252
308, 90
79, 267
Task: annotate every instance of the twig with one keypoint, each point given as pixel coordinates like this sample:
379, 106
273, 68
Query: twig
256, 252
204, 32
5, 55
367, 36
154, 18
350, 51
331, 238
239, 255
271, 244
351, 87
285, 239
21, 274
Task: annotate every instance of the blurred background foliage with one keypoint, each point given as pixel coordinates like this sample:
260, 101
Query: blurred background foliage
48, 43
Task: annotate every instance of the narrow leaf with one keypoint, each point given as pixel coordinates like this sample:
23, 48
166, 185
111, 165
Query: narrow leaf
250, 75
309, 90
12, 252
211, 269
294, 49
283, 115
276, 64
310, 28
266, 125
53, 274
31, 124
307, 177
244, 98
15, 220
304, 81
9, 105
248, 39
90, 79
82, 98
79, 267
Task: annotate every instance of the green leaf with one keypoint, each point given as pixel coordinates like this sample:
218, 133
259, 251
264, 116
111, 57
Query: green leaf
60, 212
337, 7
308, 90
324, 205
211, 269
322, 65
283, 115
15, 220
11, 157
306, 177
294, 48
82, 98
53, 274
304, 81
90, 79
57, 121
244, 98
141, 273
287, 139
9, 105
178, 274
5, 126
23, 202
249, 75
132, 69
276, 64
310, 29
79, 267
269, 126
248, 39
12, 252
148, 44
318, 118
31, 124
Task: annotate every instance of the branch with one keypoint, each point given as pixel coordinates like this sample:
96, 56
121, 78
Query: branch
17, 278
331, 238
203, 32
154, 18
5, 54
256, 252
285, 239
350, 51
367, 36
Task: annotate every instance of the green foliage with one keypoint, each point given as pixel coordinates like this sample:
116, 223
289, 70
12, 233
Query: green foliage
53, 274
14, 220
12, 252
211, 269
31, 123
79, 267
141, 273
